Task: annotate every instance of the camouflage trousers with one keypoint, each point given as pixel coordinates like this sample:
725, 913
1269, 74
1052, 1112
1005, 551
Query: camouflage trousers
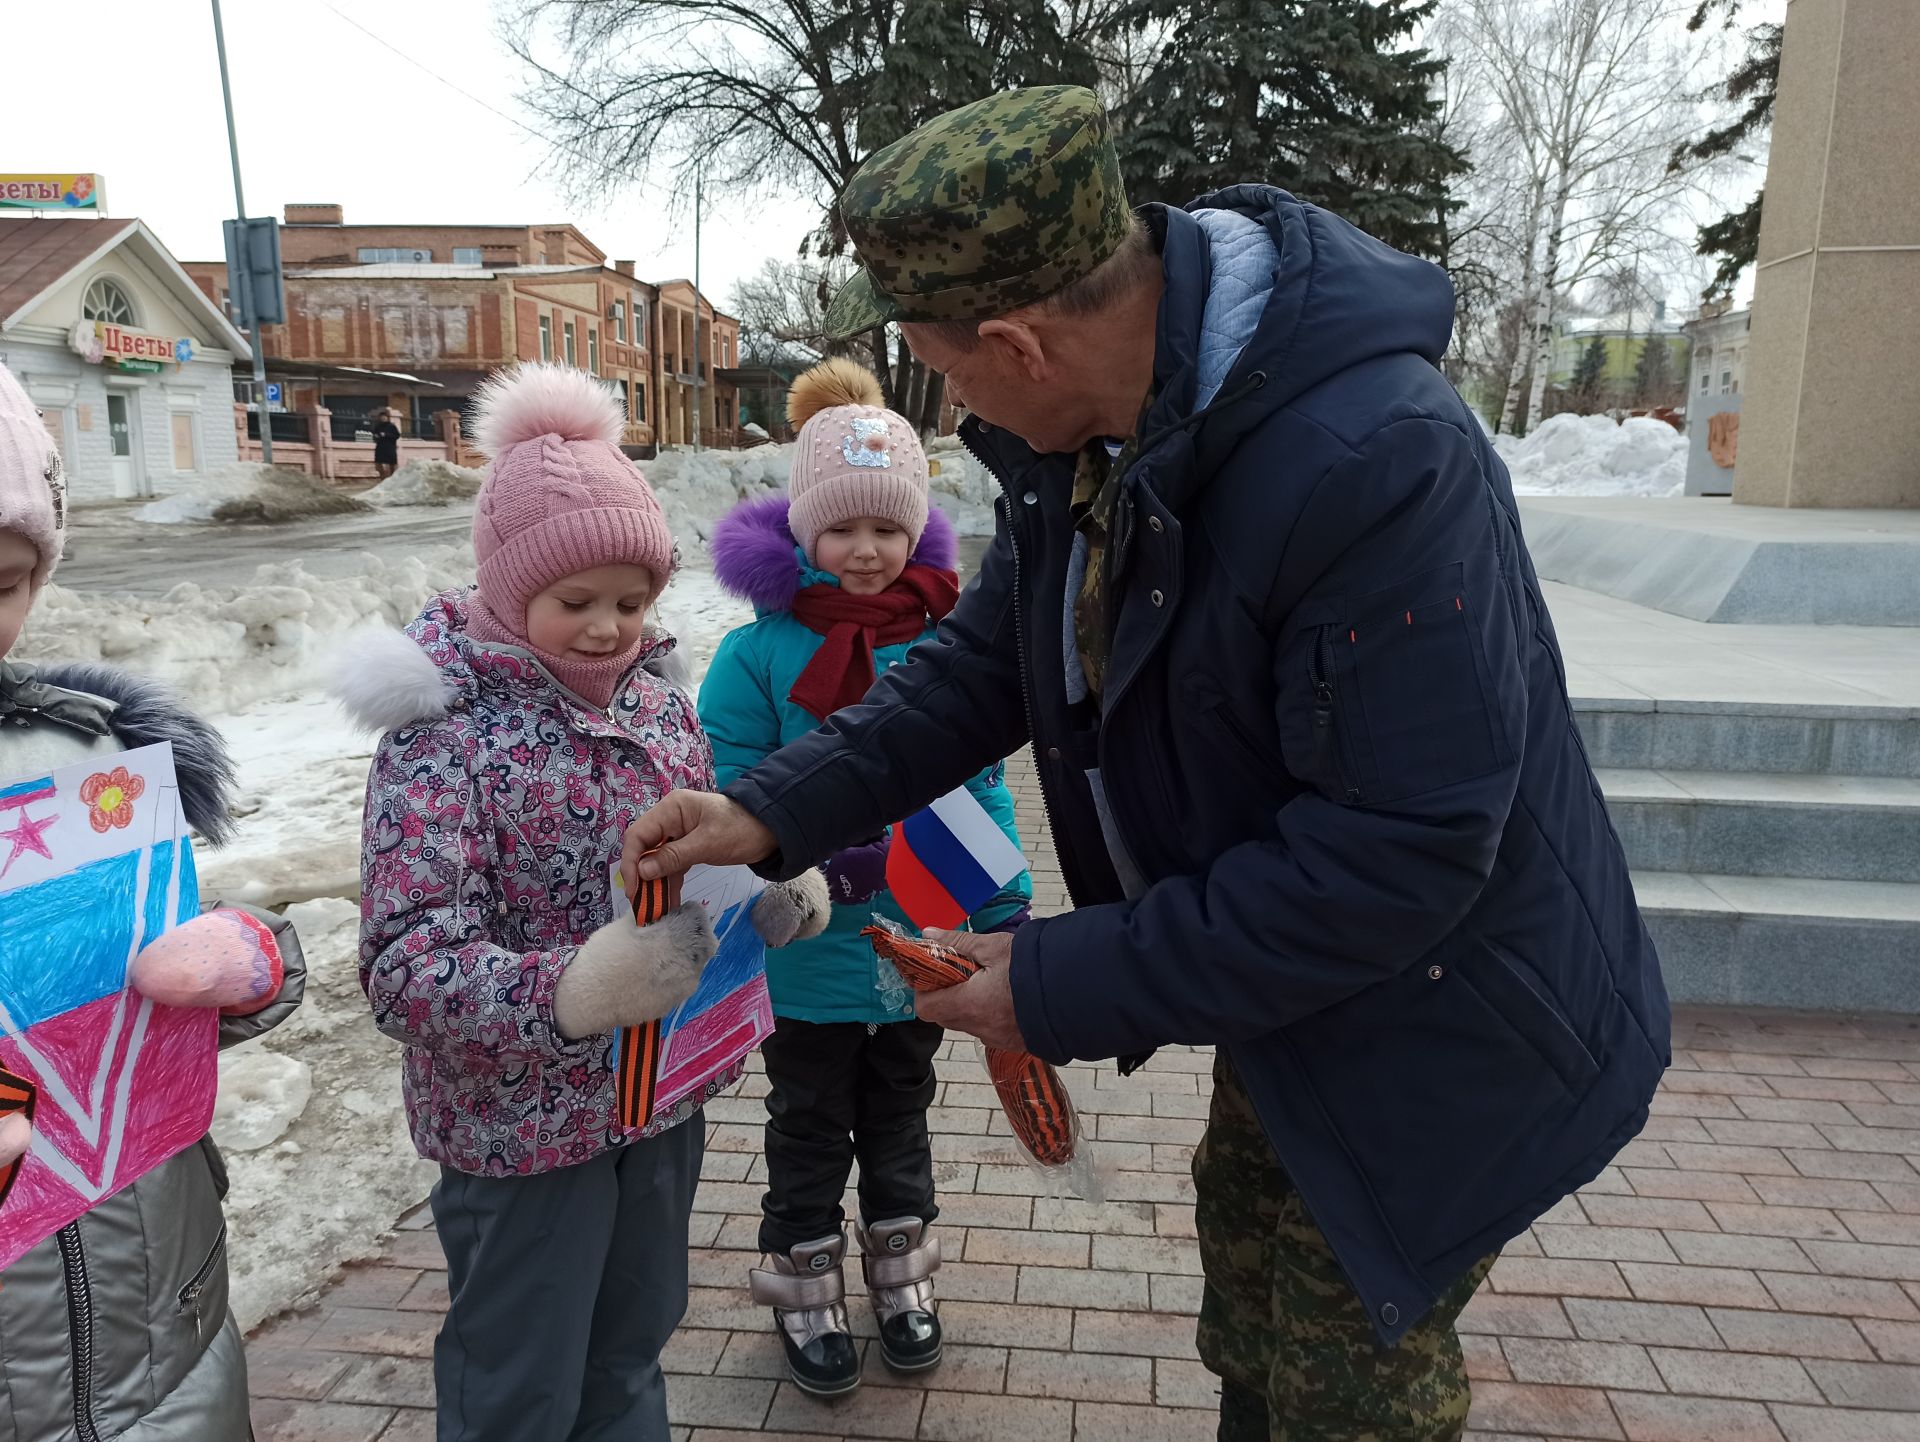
1294, 1349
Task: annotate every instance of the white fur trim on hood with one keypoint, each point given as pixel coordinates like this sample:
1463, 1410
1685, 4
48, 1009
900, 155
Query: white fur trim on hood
384, 681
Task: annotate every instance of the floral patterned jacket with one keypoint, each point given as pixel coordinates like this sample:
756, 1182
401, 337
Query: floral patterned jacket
494, 816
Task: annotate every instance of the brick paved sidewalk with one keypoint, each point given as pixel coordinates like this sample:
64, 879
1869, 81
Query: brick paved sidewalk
1749, 1270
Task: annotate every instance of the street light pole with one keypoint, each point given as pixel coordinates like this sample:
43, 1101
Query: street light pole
699, 353
247, 321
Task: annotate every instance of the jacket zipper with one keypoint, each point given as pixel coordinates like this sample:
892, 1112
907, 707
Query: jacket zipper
1005, 503
190, 1294
1326, 699
73, 1261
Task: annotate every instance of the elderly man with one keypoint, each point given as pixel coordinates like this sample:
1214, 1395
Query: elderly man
1259, 600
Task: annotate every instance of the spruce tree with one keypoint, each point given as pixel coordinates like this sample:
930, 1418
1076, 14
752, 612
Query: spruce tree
1753, 85
1321, 97
1653, 379
1589, 377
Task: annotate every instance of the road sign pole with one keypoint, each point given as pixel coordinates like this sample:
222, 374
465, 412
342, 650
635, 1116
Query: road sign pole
247, 321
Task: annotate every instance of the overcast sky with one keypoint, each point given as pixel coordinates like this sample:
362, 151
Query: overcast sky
130, 89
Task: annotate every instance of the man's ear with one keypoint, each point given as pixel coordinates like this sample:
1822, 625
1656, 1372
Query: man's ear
1023, 344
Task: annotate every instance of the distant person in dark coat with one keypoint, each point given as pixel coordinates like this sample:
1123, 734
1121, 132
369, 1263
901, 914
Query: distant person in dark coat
386, 443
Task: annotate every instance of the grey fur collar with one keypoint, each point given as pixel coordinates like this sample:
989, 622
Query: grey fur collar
95, 700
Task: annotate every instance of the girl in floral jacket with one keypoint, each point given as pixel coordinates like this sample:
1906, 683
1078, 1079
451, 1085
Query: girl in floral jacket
528, 722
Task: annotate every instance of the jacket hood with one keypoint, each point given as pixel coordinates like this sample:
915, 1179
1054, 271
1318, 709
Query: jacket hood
137, 712
386, 679
757, 558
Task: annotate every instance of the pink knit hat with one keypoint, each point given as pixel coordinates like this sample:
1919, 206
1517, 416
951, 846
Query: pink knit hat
560, 497
33, 484
853, 458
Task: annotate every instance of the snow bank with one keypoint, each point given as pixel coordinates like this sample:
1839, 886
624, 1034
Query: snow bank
426, 483
1569, 455
962, 487
251, 491
228, 647
317, 1180
697, 488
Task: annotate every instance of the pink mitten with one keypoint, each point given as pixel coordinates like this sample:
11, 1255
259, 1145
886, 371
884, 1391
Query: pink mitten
16, 1134
224, 959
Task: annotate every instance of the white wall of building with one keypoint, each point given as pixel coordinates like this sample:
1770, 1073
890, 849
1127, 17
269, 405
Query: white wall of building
76, 393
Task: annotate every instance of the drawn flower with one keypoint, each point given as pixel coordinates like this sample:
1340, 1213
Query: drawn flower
109, 797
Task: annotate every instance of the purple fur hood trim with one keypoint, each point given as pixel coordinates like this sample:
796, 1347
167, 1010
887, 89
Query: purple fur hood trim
754, 553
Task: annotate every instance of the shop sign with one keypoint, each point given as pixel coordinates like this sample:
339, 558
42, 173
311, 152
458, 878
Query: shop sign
51, 192
105, 343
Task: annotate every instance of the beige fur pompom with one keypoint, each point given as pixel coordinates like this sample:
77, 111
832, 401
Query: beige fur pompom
837, 382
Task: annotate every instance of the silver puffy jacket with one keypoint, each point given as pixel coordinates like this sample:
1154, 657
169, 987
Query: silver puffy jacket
118, 1327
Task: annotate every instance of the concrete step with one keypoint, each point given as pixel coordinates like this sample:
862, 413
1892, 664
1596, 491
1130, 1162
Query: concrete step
1841, 828
1785, 941
1750, 736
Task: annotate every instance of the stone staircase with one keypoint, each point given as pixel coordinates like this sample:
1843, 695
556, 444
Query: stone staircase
1775, 848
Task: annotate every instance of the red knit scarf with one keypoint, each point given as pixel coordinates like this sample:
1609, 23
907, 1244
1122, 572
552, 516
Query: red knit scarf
841, 671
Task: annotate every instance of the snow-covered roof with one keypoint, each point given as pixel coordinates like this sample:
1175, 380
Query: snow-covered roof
1619, 323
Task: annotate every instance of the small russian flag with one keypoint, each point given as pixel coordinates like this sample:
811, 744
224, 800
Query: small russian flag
950, 860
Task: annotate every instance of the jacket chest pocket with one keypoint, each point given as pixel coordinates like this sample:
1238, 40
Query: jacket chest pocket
1409, 690
201, 1302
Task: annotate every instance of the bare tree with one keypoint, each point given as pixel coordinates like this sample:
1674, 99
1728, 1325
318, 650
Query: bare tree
780, 94
782, 309
1591, 97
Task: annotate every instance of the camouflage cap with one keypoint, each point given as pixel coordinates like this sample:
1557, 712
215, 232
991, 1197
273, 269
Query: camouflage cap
982, 210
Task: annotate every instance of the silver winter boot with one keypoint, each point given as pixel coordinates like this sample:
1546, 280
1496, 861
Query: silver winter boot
807, 1290
899, 1260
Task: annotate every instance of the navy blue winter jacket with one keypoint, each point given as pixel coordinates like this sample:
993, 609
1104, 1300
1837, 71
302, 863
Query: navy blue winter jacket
1338, 749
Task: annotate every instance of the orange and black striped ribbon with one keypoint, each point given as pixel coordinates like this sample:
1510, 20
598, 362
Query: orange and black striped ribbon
17, 1094
1031, 1092
637, 1060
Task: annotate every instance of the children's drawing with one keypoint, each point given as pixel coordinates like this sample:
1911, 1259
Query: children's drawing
662, 1064
95, 863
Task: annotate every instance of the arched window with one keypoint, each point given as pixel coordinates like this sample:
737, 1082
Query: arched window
105, 300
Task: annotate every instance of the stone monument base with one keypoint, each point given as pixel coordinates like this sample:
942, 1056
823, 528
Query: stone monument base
1710, 560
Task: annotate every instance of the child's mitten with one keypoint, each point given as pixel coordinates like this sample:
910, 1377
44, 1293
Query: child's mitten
223, 958
857, 874
624, 974
16, 1135
790, 911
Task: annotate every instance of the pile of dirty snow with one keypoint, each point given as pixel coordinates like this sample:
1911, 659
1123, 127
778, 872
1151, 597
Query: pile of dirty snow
426, 483
251, 491
228, 647
1569, 455
315, 1138
961, 486
697, 488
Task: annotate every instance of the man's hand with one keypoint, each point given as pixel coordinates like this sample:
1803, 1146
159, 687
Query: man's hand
688, 827
983, 1004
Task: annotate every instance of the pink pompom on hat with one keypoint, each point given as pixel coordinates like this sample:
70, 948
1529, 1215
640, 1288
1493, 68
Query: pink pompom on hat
853, 457
33, 486
560, 496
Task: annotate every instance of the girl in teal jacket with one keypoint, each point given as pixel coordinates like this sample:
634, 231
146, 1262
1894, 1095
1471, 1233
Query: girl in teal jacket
845, 574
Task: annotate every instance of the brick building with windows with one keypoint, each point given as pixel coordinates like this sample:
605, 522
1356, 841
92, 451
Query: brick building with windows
370, 307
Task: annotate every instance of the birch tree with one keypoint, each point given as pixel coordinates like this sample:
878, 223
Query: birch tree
1592, 96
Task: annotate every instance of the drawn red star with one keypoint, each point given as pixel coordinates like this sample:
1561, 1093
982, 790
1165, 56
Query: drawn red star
29, 835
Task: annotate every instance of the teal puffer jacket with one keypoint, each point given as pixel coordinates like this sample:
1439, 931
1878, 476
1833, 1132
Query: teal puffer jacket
747, 716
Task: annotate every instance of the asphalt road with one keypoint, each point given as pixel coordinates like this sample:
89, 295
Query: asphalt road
109, 551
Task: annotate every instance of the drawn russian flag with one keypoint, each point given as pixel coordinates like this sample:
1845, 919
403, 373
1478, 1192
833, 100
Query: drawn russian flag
26, 793
949, 861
